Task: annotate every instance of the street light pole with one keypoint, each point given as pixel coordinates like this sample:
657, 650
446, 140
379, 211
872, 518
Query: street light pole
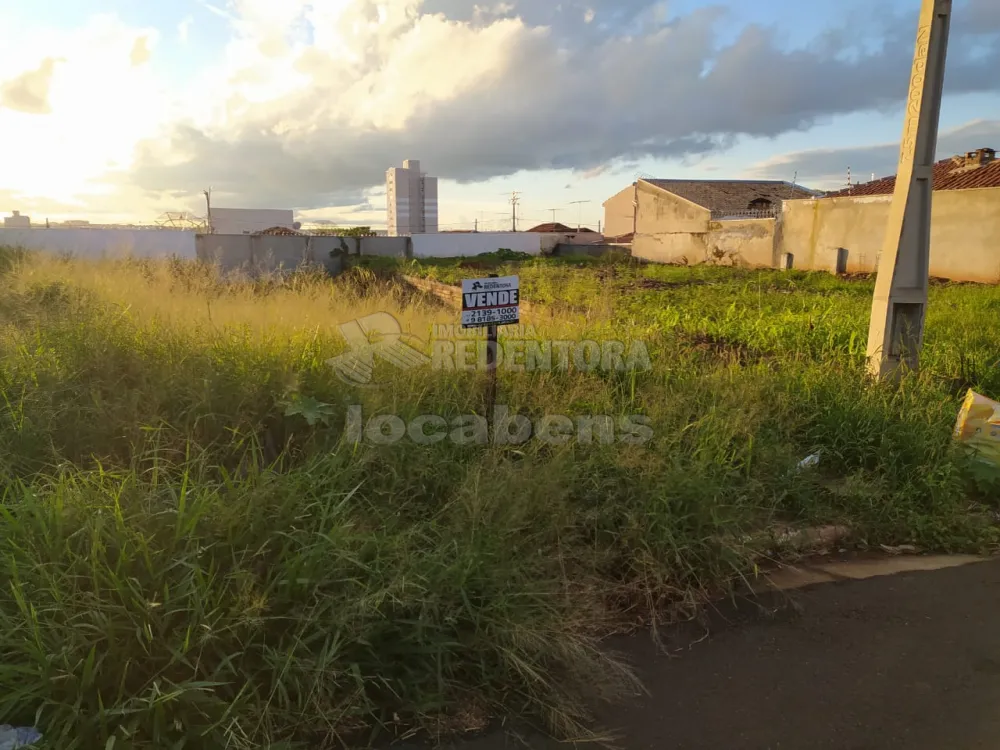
899, 306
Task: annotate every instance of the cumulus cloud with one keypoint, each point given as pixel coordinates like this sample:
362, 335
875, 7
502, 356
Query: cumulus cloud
318, 102
97, 106
309, 103
29, 92
827, 168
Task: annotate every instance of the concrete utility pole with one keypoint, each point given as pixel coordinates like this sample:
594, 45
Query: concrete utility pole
208, 211
899, 306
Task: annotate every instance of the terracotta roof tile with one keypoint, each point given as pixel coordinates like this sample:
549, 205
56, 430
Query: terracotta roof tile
551, 227
733, 195
949, 174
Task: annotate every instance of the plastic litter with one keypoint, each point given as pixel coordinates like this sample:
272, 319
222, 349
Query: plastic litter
978, 426
15, 737
809, 461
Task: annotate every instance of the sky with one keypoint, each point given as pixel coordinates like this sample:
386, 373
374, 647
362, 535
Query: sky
121, 110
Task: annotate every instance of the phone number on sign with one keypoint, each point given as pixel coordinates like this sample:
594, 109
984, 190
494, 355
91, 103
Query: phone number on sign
500, 315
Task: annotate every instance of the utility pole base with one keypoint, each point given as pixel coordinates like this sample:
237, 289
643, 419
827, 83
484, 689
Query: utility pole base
899, 305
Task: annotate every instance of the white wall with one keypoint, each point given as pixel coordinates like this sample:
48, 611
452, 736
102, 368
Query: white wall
98, 243
249, 220
460, 244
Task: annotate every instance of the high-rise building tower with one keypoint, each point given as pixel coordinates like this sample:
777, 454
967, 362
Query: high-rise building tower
411, 200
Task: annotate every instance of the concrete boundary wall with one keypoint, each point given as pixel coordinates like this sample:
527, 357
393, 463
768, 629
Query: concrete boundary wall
266, 253
965, 225
741, 242
466, 244
738, 242
94, 244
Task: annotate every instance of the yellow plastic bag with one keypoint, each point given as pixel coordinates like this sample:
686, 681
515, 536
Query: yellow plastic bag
978, 426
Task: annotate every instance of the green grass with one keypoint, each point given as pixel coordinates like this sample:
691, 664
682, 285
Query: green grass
191, 562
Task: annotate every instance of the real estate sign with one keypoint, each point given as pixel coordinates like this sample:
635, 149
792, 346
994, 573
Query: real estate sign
490, 302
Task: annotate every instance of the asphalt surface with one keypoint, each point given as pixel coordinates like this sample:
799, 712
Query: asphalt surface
904, 661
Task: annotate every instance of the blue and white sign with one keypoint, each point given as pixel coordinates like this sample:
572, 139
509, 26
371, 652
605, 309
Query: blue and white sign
491, 302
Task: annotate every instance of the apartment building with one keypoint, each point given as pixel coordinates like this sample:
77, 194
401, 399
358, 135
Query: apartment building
411, 200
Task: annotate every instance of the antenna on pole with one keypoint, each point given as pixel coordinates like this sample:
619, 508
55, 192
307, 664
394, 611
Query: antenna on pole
553, 210
579, 217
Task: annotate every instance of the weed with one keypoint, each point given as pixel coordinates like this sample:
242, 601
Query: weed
196, 558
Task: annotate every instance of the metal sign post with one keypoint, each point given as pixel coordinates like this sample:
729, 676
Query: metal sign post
491, 370
491, 302
899, 305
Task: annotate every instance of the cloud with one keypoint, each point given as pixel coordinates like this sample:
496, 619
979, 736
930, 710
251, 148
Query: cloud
97, 107
29, 92
595, 172
827, 168
983, 14
318, 103
307, 104
140, 51
184, 29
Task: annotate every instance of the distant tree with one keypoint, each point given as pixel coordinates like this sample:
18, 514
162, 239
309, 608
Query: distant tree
358, 232
347, 232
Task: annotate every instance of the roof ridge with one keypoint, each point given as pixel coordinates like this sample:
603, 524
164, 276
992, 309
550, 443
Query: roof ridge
696, 179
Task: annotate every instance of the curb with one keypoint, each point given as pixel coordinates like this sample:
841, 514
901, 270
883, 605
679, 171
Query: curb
791, 577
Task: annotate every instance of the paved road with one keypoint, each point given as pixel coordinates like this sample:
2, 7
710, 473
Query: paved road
905, 661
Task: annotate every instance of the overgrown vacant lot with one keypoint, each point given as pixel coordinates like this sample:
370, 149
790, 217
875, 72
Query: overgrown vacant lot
194, 557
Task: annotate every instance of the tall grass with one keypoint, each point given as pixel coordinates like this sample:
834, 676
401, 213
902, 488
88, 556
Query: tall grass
191, 563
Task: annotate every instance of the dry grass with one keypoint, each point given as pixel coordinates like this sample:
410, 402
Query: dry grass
197, 560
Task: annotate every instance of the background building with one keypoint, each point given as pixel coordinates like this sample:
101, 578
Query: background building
250, 220
700, 221
411, 200
843, 231
649, 206
16, 221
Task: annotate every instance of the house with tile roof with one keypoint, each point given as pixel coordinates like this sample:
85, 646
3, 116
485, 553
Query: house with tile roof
970, 171
697, 221
721, 198
843, 231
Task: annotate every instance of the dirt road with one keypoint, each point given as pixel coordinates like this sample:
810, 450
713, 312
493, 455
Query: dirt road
905, 661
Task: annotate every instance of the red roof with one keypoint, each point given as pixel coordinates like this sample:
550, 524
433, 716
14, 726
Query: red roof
949, 174
622, 239
552, 227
